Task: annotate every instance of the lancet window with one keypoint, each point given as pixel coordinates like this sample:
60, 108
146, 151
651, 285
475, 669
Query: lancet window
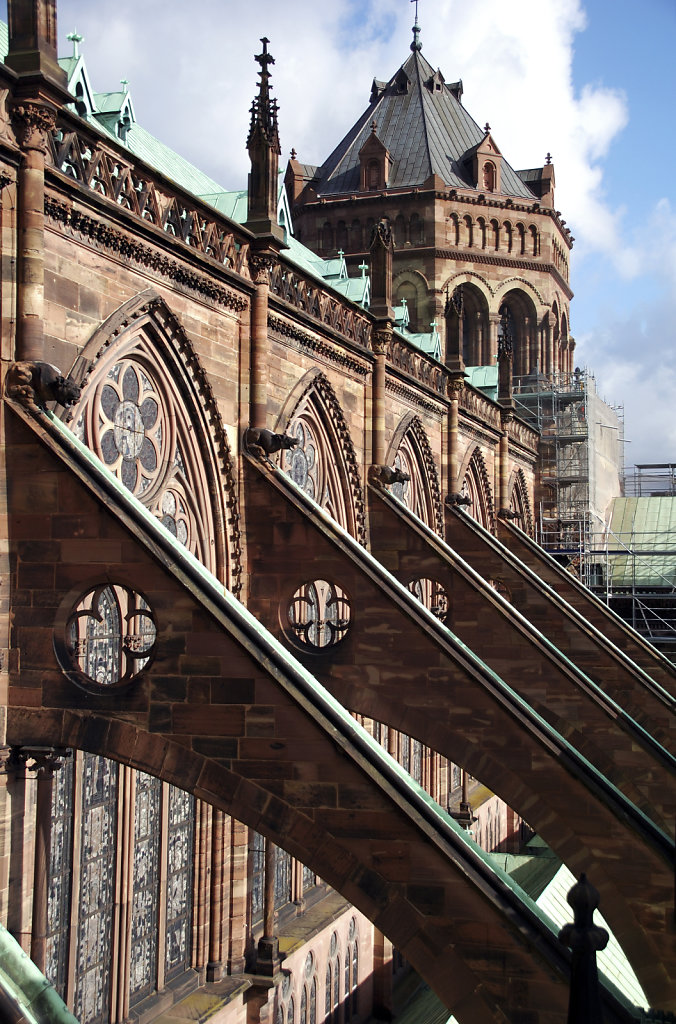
477, 488
117, 810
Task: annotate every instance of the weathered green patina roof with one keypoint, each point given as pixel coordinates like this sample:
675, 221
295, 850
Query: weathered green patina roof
425, 129
485, 378
646, 529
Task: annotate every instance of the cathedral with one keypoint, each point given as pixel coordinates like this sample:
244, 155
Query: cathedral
296, 715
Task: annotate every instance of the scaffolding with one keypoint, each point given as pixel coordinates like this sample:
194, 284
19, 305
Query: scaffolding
637, 562
559, 406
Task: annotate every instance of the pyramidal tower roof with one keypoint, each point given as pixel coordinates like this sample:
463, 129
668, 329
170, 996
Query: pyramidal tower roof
426, 130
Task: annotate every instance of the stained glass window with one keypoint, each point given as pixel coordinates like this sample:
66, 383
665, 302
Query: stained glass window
110, 636
282, 877
97, 889
143, 951
328, 989
319, 614
416, 769
60, 876
257, 854
313, 1001
133, 416
309, 878
179, 881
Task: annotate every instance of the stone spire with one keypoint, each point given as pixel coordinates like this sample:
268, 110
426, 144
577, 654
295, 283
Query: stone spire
264, 151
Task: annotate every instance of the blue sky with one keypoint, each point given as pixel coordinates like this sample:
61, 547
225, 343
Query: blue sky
591, 81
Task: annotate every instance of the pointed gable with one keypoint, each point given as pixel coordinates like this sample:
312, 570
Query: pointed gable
374, 163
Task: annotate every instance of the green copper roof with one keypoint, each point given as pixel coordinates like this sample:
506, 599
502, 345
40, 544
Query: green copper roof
484, 378
646, 527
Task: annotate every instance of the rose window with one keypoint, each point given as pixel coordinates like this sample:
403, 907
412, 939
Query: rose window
319, 615
131, 432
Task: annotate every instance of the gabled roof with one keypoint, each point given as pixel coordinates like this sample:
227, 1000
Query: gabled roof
426, 131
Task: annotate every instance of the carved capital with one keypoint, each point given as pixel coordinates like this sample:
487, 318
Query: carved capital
44, 761
380, 340
454, 386
261, 265
32, 123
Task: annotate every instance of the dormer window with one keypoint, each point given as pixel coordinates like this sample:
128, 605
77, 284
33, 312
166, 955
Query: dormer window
401, 82
374, 161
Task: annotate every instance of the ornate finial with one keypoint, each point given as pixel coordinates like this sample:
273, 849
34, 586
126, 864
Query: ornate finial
341, 253
363, 267
124, 82
263, 109
293, 154
416, 44
75, 38
548, 158
487, 128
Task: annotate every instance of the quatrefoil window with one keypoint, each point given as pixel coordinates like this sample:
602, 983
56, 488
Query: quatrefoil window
109, 637
318, 615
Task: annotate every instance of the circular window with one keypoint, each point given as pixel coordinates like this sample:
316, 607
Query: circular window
109, 637
431, 593
318, 615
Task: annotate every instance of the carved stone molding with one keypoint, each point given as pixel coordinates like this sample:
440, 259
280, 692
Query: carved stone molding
33, 124
318, 346
112, 240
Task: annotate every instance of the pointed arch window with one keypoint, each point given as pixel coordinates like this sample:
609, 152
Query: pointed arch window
313, 464
477, 488
147, 412
414, 457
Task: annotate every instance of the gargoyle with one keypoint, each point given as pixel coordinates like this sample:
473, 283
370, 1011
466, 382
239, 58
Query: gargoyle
507, 513
458, 499
383, 476
263, 443
36, 384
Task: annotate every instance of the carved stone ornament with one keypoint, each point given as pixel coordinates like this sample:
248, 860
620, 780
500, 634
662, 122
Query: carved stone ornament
262, 443
454, 386
32, 124
35, 384
456, 498
261, 265
383, 476
380, 340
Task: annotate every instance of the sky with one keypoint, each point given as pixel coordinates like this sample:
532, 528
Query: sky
593, 82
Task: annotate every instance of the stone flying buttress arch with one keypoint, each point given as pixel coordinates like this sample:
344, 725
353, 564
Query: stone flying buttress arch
148, 412
324, 463
410, 450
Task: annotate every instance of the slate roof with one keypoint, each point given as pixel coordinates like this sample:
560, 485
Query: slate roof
426, 131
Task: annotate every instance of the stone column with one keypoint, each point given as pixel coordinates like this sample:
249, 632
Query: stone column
456, 384
381, 339
216, 920
45, 762
260, 264
32, 124
494, 323
267, 961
